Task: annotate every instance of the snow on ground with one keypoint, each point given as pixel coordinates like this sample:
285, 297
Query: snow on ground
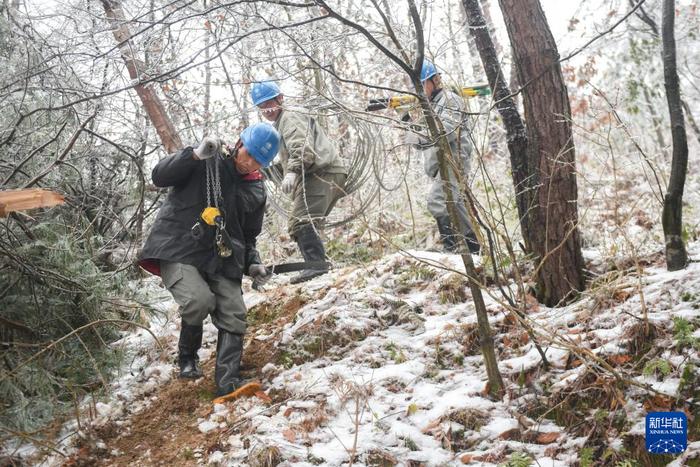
385, 367
146, 367
395, 391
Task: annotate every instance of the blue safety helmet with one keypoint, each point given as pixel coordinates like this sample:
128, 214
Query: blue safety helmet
264, 91
427, 71
262, 141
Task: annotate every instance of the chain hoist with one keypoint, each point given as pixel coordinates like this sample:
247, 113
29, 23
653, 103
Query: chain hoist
212, 214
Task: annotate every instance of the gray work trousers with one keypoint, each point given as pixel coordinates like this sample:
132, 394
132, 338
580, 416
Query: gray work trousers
200, 294
437, 203
315, 196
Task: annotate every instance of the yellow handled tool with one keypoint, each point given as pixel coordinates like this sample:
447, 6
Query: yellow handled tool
211, 215
395, 102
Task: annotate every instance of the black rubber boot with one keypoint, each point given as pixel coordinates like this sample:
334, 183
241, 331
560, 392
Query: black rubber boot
188, 345
229, 349
447, 236
472, 243
311, 248
450, 241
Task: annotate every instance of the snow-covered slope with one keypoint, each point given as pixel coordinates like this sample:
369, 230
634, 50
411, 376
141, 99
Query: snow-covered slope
381, 365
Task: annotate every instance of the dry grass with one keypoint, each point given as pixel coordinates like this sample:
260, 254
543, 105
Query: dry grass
453, 289
265, 456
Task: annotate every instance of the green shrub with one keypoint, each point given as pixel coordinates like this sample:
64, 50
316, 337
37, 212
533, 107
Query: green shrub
683, 334
51, 286
518, 459
657, 367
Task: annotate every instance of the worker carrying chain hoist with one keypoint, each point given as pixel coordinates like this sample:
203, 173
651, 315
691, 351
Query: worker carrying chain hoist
204, 240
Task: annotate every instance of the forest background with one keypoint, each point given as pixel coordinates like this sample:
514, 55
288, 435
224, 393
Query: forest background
73, 121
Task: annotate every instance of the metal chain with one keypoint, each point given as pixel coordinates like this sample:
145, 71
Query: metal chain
217, 181
208, 183
215, 174
214, 190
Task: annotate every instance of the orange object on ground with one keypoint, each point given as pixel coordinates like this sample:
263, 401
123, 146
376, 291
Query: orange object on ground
262, 395
246, 390
30, 198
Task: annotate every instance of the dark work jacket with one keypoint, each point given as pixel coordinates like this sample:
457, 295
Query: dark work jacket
171, 238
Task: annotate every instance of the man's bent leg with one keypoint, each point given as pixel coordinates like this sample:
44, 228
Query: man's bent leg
312, 249
230, 311
313, 202
196, 301
190, 291
337, 183
466, 226
437, 206
230, 319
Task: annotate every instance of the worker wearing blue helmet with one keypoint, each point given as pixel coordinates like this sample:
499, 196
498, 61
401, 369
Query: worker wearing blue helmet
314, 175
204, 240
450, 109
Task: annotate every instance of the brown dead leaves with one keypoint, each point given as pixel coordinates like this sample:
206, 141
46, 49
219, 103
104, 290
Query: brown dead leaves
307, 420
530, 436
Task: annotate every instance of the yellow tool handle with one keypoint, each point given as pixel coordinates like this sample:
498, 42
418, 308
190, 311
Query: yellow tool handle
210, 215
467, 91
476, 90
398, 101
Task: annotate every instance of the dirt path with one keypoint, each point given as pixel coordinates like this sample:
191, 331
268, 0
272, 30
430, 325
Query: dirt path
166, 432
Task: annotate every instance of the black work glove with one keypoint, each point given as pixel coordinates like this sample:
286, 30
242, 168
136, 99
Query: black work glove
260, 275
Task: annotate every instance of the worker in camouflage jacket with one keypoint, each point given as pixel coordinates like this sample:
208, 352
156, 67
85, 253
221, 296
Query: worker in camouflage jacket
450, 109
314, 174
204, 240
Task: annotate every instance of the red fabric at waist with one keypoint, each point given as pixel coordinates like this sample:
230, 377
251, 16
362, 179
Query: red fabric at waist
253, 176
150, 265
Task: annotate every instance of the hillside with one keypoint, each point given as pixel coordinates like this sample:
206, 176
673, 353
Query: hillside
381, 365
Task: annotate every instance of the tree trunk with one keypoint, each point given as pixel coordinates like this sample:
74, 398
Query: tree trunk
495, 136
207, 77
516, 135
552, 231
140, 160
672, 217
656, 121
457, 56
495, 387
207, 88
691, 120
151, 103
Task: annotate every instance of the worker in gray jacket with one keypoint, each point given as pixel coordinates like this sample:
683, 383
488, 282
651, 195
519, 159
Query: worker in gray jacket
314, 174
450, 109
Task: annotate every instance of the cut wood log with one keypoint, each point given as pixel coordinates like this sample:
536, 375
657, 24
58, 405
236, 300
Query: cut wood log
21, 200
